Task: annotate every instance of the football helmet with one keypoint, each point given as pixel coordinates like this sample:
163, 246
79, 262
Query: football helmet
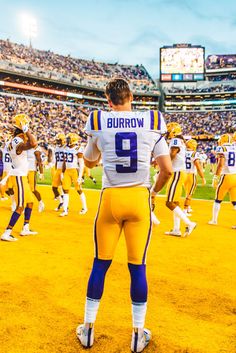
224, 139
72, 139
20, 120
173, 129
61, 139
191, 144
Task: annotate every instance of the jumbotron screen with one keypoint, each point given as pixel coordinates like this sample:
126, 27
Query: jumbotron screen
182, 62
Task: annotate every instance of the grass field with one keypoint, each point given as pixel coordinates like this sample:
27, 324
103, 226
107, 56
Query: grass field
192, 297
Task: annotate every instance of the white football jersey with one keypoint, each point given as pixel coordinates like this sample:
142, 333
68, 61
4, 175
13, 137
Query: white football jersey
19, 161
32, 163
6, 159
190, 158
71, 157
127, 140
59, 156
229, 152
178, 163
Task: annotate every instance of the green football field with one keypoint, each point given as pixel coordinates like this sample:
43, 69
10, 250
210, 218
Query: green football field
206, 192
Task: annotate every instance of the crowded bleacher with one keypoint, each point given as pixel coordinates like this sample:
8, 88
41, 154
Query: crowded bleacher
42, 63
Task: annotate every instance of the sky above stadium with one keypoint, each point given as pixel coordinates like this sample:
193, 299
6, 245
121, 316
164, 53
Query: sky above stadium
124, 31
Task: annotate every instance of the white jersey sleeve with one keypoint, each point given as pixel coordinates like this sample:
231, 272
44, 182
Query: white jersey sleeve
161, 148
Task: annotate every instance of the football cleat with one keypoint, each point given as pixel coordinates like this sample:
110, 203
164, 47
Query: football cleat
83, 211
189, 228
85, 335
94, 181
4, 198
212, 223
41, 206
27, 231
176, 233
64, 213
6, 236
140, 339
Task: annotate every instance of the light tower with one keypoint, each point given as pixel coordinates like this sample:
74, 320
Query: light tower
30, 28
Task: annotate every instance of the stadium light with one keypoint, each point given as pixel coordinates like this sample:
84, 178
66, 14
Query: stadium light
29, 26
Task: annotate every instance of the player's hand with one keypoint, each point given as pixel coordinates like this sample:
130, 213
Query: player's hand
25, 128
153, 200
215, 181
80, 181
41, 176
203, 181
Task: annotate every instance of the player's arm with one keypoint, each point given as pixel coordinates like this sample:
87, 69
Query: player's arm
92, 154
64, 163
200, 171
173, 152
81, 166
31, 143
39, 161
49, 156
220, 165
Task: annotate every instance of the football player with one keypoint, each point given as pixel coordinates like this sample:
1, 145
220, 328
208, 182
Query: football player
126, 141
72, 158
59, 159
224, 179
34, 156
175, 185
22, 141
193, 167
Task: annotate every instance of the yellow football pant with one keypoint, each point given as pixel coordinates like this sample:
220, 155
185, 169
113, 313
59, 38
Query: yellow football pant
126, 209
175, 186
70, 176
226, 184
32, 180
56, 181
22, 191
190, 184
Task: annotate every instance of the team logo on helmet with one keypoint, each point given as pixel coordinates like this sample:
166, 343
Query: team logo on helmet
72, 139
173, 129
20, 120
224, 139
191, 144
61, 139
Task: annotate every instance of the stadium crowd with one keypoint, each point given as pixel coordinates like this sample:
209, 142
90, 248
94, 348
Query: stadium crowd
50, 118
206, 89
47, 64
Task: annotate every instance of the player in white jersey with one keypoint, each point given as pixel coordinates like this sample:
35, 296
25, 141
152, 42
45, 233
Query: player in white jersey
224, 179
125, 140
22, 141
59, 159
193, 167
34, 156
203, 160
73, 158
7, 166
175, 185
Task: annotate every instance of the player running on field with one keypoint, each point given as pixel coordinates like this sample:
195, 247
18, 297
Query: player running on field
125, 140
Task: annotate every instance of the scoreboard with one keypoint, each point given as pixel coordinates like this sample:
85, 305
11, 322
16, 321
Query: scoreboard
182, 62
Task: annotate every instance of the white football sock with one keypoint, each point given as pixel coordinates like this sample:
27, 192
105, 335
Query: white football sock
91, 310
83, 200
139, 314
65, 202
215, 211
176, 222
178, 212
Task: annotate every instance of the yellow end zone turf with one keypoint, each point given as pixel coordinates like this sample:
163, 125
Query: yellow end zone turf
43, 279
